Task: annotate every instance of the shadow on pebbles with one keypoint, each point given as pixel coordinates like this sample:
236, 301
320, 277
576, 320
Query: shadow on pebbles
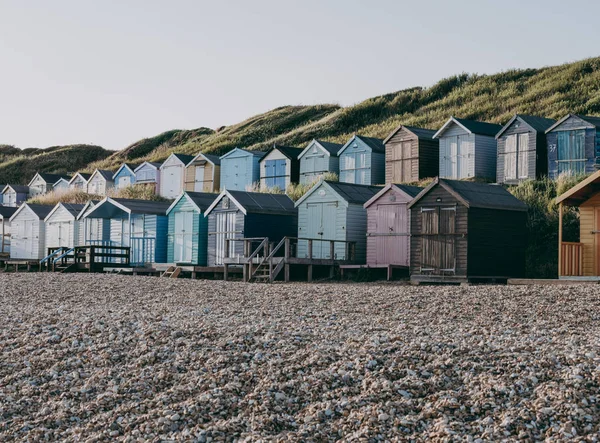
100, 357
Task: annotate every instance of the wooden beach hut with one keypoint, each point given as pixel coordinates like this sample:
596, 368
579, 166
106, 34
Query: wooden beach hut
188, 228
467, 149
42, 183
463, 231
280, 167
125, 176
334, 211
6, 212
203, 174
148, 174
240, 169
172, 175
239, 214
362, 161
62, 226
522, 149
582, 258
14, 195
100, 182
138, 224
411, 154
28, 234
388, 227
573, 146
79, 181
61, 185
318, 158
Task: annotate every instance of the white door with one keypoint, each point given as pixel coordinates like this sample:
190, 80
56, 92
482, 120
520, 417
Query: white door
59, 234
225, 224
171, 181
199, 179
183, 237
22, 239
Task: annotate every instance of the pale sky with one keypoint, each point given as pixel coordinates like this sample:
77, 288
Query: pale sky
111, 72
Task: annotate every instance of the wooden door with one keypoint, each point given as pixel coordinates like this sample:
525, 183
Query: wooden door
391, 234
199, 179
438, 245
183, 239
225, 228
597, 240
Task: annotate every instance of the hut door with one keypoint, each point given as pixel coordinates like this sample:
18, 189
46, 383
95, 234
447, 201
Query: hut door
392, 234
183, 237
199, 179
321, 227
225, 224
437, 240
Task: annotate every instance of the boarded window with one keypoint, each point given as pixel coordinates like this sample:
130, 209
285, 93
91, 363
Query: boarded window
516, 156
438, 239
401, 161
523, 155
571, 152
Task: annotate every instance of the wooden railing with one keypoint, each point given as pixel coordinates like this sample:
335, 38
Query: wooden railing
571, 259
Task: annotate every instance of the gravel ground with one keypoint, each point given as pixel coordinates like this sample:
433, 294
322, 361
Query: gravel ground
99, 357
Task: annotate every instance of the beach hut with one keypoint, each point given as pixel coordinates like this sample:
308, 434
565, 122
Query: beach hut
388, 226
139, 224
467, 149
100, 182
318, 158
463, 231
6, 213
411, 154
61, 185
172, 175
125, 176
522, 149
28, 232
62, 226
362, 161
79, 181
148, 174
573, 146
187, 235
203, 174
239, 214
334, 211
240, 169
14, 195
92, 231
582, 258
280, 167
42, 183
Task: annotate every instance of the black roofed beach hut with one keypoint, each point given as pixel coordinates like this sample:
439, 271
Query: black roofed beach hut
462, 231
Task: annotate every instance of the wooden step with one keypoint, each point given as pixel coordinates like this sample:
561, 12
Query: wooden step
172, 272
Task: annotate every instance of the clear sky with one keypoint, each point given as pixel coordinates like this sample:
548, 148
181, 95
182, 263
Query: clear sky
111, 72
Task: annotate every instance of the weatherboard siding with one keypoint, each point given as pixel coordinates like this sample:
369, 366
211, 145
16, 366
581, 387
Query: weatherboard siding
199, 233
534, 145
592, 154
212, 231
67, 220
124, 172
239, 171
311, 170
485, 156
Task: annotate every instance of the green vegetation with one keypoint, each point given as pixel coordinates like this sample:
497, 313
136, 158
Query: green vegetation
19, 167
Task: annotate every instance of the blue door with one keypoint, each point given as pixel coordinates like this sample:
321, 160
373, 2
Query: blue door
275, 174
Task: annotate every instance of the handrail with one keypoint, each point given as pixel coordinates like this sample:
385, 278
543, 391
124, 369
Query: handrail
261, 245
63, 255
58, 250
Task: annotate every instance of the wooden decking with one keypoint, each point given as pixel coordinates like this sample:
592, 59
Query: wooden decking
389, 268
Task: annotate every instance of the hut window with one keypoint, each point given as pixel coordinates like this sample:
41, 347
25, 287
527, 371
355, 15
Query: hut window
571, 152
355, 168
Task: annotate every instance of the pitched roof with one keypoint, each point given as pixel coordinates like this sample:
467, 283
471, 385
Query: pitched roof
594, 121
19, 189
40, 210
135, 206
184, 158
419, 132
258, 203
214, 159
332, 148
259, 154
477, 195
154, 164
290, 152
202, 200
7, 211
52, 178
582, 191
72, 208
472, 126
106, 174
539, 124
83, 175
352, 193
413, 191
375, 144
410, 191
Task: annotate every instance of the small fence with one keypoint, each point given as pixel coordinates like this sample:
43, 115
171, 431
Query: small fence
90, 257
571, 259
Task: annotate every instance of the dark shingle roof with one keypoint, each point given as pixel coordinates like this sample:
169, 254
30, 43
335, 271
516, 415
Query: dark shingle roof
482, 128
352, 193
143, 206
376, 144
332, 148
52, 178
215, 159
184, 158
84, 175
413, 191
538, 123
259, 203
7, 211
41, 211
202, 199
289, 151
484, 195
19, 189
108, 175
591, 120
421, 132
73, 208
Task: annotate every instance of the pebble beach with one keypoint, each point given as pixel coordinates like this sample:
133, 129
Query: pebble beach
89, 357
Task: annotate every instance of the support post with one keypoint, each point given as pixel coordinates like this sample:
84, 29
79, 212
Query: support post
310, 248
225, 271
287, 248
310, 272
331, 249
560, 236
286, 272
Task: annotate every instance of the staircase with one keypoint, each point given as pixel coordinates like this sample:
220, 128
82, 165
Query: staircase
172, 272
270, 266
